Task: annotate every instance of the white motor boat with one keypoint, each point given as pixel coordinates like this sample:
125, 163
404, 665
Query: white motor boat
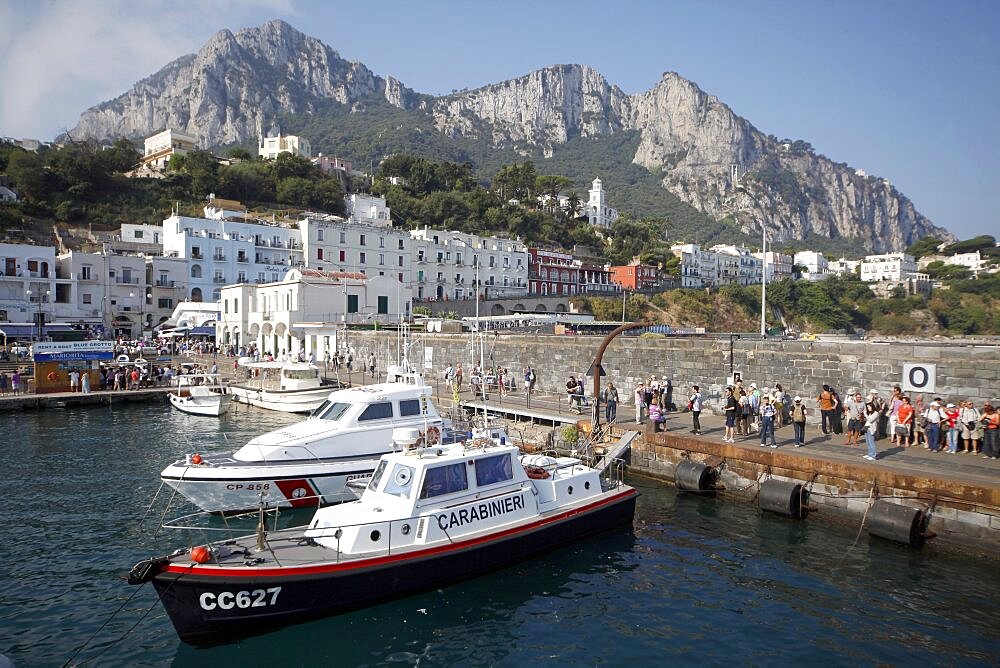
310, 463
290, 387
428, 517
200, 394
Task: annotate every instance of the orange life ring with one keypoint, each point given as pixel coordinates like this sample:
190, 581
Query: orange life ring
433, 436
536, 472
52, 376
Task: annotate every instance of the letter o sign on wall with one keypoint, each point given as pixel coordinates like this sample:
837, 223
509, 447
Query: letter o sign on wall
919, 377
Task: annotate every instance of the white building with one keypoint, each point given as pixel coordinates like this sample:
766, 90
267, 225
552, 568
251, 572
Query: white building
159, 148
141, 234
816, 266
271, 147
334, 244
222, 252
29, 286
446, 265
699, 268
778, 265
7, 195
974, 262
887, 267
844, 267
306, 310
598, 212
107, 289
367, 210
737, 265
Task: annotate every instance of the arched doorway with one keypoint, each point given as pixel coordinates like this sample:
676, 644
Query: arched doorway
196, 294
560, 308
497, 310
541, 309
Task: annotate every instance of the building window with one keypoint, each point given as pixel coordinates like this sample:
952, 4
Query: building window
164, 302
400, 277
85, 272
400, 244
138, 234
381, 258
381, 242
383, 304
319, 253
242, 277
343, 256
352, 303
319, 235
362, 257
195, 271
399, 261
87, 298
343, 237
362, 241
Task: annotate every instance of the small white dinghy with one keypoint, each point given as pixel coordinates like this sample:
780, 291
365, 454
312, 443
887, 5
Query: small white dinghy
200, 394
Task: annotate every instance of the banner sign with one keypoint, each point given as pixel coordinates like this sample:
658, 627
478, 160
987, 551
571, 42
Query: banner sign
61, 351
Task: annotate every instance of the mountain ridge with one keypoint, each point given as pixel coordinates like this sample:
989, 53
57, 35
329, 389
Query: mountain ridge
689, 139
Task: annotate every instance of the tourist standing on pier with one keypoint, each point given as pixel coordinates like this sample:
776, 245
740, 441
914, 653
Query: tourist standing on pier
74, 380
731, 406
871, 424
954, 427
639, 396
610, 402
767, 413
932, 426
969, 417
826, 407
85, 382
742, 413
15, 382
799, 421
778, 401
854, 409
529, 380
4, 382
904, 422
991, 431
895, 401
449, 377
694, 405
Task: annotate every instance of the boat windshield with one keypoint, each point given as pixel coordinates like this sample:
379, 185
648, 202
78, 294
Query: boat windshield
301, 374
331, 410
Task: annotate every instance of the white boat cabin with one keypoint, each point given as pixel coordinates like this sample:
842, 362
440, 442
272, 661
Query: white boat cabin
353, 422
426, 496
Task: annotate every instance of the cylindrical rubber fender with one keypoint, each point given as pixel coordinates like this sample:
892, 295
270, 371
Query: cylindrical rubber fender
692, 476
783, 497
894, 521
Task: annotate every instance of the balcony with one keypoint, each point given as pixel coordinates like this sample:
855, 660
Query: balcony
197, 255
121, 280
165, 284
242, 258
219, 257
219, 280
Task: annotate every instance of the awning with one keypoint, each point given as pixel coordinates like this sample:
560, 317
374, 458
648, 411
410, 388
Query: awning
17, 331
202, 331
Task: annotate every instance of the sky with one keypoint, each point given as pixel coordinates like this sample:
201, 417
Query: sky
906, 90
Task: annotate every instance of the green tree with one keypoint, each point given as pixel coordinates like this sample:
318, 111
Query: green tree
925, 246
27, 171
239, 153
295, 190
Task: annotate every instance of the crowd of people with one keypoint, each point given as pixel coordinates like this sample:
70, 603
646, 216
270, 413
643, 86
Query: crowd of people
936, 425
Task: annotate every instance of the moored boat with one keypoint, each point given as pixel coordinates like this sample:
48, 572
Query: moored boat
428, 516
200, 394
311, 462
289, 387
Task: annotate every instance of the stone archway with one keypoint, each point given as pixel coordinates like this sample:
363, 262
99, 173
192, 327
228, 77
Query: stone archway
560, 308
541, 309
518, 307
497, 309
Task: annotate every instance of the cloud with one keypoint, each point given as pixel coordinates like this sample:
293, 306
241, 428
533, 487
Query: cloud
60, 57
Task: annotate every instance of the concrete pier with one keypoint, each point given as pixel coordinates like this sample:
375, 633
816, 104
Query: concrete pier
23, 402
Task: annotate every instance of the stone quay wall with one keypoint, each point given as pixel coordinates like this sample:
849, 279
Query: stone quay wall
960, 513
802, 367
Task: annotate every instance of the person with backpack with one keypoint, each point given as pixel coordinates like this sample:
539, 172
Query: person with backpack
799, 421
767, 415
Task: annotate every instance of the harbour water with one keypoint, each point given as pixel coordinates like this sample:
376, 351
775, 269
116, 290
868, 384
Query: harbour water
698, 581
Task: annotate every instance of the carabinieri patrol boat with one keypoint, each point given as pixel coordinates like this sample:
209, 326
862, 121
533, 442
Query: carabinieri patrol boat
429, 516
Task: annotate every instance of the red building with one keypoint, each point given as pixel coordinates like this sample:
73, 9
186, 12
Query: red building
552, 273
635, 276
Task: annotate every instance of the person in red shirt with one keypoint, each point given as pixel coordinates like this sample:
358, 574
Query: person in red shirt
905, 419
952, 427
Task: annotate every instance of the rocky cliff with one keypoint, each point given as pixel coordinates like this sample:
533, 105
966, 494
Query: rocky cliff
237, 81
689, 139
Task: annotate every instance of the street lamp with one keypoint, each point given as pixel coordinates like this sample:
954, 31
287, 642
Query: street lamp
38, 315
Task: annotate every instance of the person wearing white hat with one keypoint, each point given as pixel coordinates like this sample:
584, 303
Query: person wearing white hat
932, 430
799, 421
953, 426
